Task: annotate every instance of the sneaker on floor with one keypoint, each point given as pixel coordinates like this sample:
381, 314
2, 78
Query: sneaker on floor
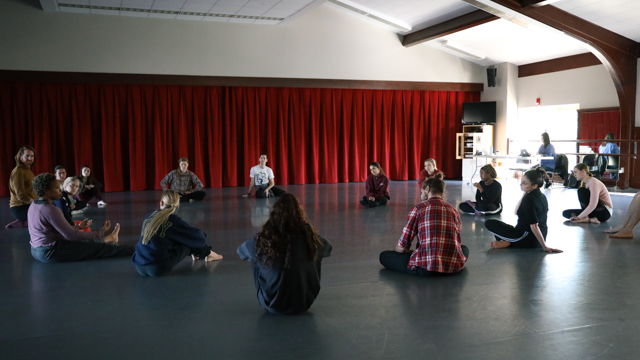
101, 203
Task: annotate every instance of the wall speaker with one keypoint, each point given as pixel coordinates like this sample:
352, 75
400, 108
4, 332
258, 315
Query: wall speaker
492, 72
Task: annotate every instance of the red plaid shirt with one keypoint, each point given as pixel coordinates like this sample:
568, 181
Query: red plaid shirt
437, 225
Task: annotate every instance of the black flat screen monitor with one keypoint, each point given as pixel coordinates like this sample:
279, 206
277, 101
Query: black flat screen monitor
479, 112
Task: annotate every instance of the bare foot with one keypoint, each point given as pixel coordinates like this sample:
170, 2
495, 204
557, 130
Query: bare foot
614, 230
622, 235
594, 220
579, 221
113, 237
213, 257
500, 244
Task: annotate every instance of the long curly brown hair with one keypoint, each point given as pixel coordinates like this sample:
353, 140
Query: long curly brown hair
287, 223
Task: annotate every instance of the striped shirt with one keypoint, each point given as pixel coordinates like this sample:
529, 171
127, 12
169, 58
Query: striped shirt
437, 225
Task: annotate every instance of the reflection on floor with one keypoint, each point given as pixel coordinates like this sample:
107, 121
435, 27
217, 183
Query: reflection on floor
506, 304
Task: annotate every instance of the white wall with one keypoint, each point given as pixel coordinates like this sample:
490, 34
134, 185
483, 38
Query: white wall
591, 87
324, 43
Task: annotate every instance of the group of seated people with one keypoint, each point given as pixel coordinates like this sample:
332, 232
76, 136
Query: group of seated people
286, 254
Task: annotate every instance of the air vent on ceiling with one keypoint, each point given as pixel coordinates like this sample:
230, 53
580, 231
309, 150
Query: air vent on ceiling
168, 12
371, 16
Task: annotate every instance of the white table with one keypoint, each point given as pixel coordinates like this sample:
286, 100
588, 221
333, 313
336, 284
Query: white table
533, 159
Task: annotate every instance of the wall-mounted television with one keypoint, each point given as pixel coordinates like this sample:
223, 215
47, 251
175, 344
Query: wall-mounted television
479, 112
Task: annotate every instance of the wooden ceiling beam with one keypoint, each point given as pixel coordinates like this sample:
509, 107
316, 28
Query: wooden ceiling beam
617, 53
448, 27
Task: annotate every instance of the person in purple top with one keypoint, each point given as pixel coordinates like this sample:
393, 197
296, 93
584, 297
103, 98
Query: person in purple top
53, 239
377, 185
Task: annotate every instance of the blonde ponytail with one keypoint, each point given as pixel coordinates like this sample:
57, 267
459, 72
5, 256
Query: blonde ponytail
171, 200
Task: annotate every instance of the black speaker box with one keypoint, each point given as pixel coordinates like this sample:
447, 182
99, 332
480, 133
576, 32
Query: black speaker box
492, 72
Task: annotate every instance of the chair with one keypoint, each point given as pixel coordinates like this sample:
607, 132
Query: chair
561, 169
613, 167
596, 164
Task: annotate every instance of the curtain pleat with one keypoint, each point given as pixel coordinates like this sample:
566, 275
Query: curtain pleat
133, 135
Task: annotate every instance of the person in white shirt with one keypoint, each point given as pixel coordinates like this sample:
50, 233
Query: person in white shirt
262, 179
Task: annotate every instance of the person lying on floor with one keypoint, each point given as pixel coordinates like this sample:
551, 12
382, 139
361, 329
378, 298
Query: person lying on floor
286, 258
437, 225
166, 239
488, 196
53, 239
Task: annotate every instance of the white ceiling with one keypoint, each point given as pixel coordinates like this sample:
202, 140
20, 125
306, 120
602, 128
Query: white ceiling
497, 41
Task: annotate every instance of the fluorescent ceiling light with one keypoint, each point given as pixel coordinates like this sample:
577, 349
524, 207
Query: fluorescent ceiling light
356, 8
462, 50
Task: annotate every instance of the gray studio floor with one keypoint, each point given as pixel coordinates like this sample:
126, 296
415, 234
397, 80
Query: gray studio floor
506, 304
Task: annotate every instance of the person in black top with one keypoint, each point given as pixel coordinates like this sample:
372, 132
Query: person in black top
69, 188
488, 196
531, 230
166, 239
286, 257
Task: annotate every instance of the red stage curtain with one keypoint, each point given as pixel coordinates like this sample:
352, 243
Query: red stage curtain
133, 135
596, 125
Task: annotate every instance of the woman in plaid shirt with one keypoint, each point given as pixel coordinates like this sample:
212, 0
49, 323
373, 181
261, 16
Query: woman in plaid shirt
437, 225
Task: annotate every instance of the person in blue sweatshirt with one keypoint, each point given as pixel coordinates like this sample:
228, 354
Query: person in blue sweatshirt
285, 257
166, 239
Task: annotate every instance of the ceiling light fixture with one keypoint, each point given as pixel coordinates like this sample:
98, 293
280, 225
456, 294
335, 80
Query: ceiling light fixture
461, 49
355, 8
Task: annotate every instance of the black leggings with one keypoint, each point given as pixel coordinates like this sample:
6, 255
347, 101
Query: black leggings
260, 193
19, 212
600, 212
66, 251
178, 253
378, 201
519, 239
196, 195
394, 260
487, 209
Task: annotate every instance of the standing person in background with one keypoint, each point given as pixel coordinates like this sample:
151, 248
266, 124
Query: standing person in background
430, 171
546, 149
377, 186
595, 202
488, 196
89, 187
262, 178
183, 181
21, 187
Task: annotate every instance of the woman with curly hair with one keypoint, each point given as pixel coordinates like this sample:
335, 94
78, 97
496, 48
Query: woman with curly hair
286, 257
21, 188
488, 196
166, 239
89, 187
53, 239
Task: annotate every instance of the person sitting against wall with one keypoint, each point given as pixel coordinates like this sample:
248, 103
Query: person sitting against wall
377, 186
608, 147
286, 259
183, 181
625, 229
263, 179
437, 226
488, 194
21, 187
53, 239
547, 150
166, 239
532, 209
595, 203
430, 171
89, 187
